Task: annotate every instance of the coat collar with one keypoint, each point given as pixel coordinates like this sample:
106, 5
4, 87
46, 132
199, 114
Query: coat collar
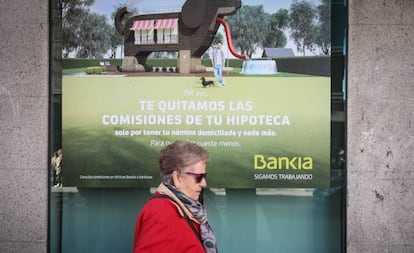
162, 189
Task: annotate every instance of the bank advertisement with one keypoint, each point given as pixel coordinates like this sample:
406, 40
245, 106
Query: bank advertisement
247, 80
260, 131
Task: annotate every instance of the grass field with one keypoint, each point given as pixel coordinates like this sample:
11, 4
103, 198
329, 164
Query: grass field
100, 113
232, 71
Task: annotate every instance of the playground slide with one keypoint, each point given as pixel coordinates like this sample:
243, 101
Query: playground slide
229, 40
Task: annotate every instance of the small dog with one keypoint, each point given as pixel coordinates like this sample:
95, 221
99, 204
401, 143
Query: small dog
205, 82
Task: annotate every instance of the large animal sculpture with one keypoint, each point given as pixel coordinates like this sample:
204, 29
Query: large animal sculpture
189, 32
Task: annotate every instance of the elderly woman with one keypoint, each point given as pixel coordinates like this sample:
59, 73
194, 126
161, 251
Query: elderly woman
174, 220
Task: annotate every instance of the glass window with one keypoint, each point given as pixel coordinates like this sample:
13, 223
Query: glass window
250, 219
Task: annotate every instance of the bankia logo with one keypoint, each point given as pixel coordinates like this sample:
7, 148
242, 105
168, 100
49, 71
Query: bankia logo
262, 162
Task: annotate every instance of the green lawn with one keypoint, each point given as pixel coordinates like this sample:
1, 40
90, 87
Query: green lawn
73, 71
234, 71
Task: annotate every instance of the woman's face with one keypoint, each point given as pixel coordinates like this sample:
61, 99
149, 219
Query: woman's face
191, 180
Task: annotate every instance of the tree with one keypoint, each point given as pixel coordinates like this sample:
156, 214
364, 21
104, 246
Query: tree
249, 27
94, 36
302, 18
278, 22
72, 11
116, 41
323, 29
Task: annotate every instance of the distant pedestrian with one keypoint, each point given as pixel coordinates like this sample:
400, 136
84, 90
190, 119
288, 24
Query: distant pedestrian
217, 60
56, 163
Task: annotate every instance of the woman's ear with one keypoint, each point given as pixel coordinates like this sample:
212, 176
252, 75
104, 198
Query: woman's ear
176, 179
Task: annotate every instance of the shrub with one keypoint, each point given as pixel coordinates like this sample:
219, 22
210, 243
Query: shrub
72, 63
162, 62
94, 70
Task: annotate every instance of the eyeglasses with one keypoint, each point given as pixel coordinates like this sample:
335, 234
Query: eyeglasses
198, 176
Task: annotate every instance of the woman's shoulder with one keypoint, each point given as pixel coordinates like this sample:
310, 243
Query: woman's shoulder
160, 219
160, 205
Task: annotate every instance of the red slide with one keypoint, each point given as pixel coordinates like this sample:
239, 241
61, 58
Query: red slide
229, 40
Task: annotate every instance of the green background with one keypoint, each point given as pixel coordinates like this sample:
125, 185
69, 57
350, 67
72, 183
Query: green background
91, 148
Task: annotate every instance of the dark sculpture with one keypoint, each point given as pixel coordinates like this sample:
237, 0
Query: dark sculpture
196, 26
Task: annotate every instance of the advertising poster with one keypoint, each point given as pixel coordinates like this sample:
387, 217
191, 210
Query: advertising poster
263, 125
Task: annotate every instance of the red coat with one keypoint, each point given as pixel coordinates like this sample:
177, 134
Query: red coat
161, 229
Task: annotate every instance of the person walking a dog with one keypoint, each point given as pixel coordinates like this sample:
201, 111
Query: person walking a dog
217, 60
174, 220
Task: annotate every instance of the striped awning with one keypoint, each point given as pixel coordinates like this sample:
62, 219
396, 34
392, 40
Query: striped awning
142, 25
166, 23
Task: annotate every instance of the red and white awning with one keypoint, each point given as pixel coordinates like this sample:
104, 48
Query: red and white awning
166, 23
142, 25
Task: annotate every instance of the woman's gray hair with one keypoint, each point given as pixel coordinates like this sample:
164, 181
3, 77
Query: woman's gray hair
179, 155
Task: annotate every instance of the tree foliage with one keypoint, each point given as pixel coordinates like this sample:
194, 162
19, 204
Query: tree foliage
85, 33
249, 27
72, 12
323, 29
278, 22
302, 25
94, 37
